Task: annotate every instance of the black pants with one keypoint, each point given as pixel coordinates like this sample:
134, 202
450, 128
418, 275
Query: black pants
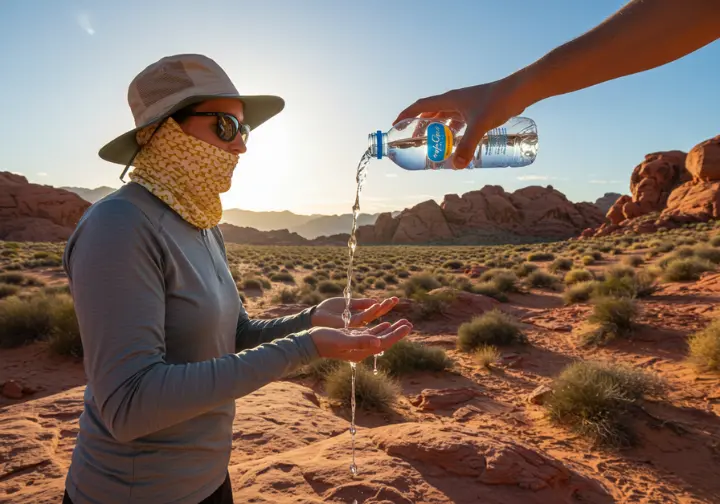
223, 495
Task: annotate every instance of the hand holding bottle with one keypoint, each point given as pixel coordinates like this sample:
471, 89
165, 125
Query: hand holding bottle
481, 107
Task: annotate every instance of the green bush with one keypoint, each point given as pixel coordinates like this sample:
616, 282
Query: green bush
540, 256
420, 282
372, 391
561, 264
407, 356
578, 275
615, 318
7, 290
489, 289
330, 287
487, 355
633, 261
542, 279
686, 270
579, 292
286, 296
491, 328
593, 399
705, 347
64, 335
282, 277
524, 269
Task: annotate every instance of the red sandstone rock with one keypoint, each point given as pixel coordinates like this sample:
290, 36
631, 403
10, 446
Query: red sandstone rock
33, 212
434, 399
12, 390
422, 223
703, 161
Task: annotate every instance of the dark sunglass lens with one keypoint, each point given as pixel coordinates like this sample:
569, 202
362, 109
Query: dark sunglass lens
227, 127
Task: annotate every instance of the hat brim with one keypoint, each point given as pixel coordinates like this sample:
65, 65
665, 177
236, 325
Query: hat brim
256, 110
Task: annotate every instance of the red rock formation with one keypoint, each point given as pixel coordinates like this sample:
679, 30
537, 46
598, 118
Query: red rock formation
668, 189
34, 212
532, 212
422, 223
703, 161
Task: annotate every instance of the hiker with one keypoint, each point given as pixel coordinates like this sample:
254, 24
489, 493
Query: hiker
168, 346
642, 35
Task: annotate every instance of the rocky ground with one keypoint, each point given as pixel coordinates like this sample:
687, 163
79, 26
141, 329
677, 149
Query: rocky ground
470, 433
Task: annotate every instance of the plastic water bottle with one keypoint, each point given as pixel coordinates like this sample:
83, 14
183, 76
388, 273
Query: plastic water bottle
428, 144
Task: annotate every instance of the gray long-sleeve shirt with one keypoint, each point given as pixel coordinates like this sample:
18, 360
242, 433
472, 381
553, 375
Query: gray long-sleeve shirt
168, 348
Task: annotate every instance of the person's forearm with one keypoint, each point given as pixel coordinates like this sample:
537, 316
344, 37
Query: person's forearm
644, 34
163, 395
251, 333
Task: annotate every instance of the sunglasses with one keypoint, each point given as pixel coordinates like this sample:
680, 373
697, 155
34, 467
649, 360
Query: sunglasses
227, 127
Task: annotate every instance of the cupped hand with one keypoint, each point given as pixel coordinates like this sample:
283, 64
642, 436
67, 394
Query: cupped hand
359, 343
362, 311
481, 107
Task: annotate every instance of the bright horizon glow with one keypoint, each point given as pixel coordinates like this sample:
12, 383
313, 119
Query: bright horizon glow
344, 72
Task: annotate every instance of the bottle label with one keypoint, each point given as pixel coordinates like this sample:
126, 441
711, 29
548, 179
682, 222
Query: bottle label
439, 142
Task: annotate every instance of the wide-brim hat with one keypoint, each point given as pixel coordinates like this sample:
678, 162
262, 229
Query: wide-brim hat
174, 82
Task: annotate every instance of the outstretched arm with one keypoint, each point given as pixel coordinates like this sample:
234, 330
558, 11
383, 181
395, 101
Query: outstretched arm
644, 34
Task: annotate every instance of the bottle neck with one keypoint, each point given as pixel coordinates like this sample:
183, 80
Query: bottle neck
377, 144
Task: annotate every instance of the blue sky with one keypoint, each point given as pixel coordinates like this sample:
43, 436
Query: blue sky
345, 68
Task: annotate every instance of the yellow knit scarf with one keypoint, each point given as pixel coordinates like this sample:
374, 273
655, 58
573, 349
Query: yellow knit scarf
184, 172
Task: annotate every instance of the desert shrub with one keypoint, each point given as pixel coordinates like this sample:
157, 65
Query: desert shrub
403, 273
587, 260
619, 271
504, 280
578, 275
13, 278
711, 254
407, 356
41, 316
420, 282
524, 269
64, 334
453, 265
390, 278
540, 256
593, 399
633, 261
561, 264
7, 290
282, 277
578, 293
380, 284
24, 320
491, 328
433, 304
489, 289
372, 391
321, 368
705, 347
487, 355
286, 296
687, 269
330, 287
542, 279
715, 240
310, 280
311, 297
615, 318
641, 284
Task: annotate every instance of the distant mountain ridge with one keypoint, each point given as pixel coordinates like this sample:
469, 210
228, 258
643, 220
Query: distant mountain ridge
307, 226
91, 195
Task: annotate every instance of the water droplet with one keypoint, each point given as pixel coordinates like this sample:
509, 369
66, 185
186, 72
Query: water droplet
353, 469
353, 430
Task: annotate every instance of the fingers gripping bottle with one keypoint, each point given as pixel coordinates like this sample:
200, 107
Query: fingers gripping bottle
429, 144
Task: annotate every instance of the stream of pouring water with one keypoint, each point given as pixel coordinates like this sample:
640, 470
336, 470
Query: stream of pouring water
352, 245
